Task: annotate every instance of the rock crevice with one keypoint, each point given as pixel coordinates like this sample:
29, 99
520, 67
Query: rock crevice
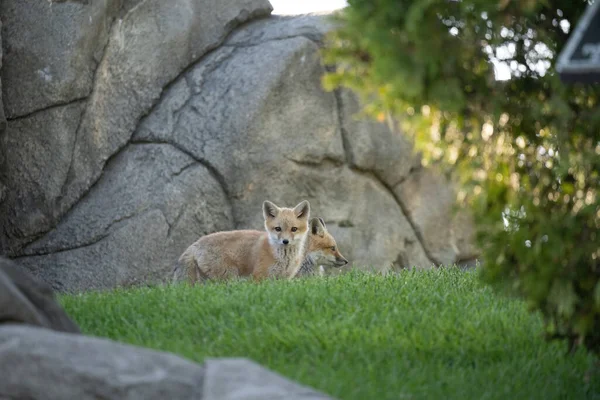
48, 108
87, 107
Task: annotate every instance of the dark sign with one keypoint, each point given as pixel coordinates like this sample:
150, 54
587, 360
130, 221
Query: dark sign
579, 61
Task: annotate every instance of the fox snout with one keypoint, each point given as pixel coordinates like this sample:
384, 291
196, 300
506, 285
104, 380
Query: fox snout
340, 261
284, 240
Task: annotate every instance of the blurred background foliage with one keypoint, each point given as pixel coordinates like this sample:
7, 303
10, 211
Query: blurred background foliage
523, 151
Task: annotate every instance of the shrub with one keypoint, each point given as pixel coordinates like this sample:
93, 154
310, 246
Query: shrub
525, 151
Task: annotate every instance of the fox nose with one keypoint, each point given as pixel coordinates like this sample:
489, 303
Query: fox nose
285, 241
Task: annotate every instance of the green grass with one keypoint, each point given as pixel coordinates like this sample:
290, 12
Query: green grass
427, 335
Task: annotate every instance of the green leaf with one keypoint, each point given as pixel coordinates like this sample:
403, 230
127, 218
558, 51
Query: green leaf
564, 297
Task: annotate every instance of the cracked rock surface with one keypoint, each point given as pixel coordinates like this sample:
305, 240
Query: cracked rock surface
188, 133
25, 299
117, 56
70, 366
151, 200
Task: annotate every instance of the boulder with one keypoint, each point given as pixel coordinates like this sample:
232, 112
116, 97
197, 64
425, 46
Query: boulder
114, 56
44, 364
27, 300
287, 143
377, 147
428, 200
175, 142
447, 232
250, 382
51, 51
38, 149
464, 233
152, 200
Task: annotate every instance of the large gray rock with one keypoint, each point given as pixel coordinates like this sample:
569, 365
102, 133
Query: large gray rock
277, 136
151, 202
463, 231
118, 59
38, 149
184, 151
145, 54
376, 147
239, 378
51, 51
43, 364
27, 300
429, 199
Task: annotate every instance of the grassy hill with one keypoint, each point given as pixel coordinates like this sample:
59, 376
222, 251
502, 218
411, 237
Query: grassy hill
415, 335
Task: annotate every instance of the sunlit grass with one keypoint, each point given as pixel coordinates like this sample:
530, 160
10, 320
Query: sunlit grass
415, 335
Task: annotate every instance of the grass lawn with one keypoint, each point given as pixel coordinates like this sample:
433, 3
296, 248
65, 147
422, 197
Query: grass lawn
426, 335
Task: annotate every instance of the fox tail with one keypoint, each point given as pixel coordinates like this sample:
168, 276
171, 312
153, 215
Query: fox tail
188, 268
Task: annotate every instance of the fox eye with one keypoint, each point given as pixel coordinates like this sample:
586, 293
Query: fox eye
294, 229
278, 229
333, 248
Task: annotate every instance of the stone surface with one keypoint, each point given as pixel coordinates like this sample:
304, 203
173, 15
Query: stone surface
143, 56
36, 167
43, 364
2, 113
239, 378
117, 59
244, 110
45, 65
428, 200
3, 150
309, 26
284, 143
151, 202
463, 228
375, 146
185, 133
351, 203
27, 300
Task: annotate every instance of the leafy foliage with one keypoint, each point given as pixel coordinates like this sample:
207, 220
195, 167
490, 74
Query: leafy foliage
439, 334
525, 151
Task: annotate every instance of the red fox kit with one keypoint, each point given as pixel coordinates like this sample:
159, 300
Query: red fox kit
278, 252
322, 250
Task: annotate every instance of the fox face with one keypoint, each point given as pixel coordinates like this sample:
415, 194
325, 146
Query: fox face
323, 248
286, 226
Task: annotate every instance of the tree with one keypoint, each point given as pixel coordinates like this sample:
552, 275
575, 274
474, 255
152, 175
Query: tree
524, 151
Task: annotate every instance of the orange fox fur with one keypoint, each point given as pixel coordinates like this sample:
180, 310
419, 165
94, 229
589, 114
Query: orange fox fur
277, 253
322, 250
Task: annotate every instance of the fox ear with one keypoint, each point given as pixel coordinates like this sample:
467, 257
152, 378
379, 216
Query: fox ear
317, 227
302, 210
270, 210
323, 223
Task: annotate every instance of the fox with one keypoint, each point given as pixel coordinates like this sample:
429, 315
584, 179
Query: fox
322, 250
277, 252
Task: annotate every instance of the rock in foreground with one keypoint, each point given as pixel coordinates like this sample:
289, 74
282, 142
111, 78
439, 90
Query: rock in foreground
43, 364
